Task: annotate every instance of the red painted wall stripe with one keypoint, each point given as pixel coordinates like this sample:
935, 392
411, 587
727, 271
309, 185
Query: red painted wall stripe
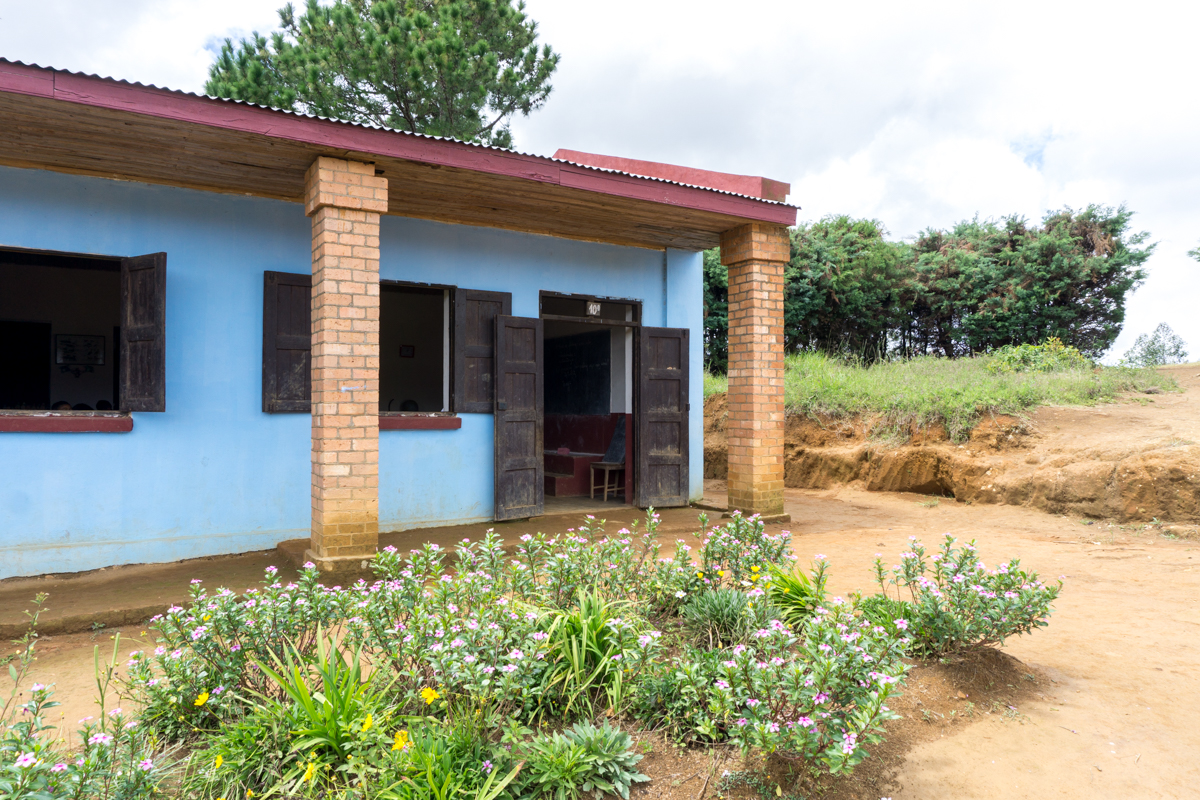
27, 423
402, 423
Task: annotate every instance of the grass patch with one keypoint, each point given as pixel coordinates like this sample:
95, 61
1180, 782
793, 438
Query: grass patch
715, 384
957, 393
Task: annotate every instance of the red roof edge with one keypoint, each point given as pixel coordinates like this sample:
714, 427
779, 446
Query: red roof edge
749, 185
320, 133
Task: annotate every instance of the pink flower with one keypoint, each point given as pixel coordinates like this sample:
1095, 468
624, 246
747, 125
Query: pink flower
25, 760
901, 624
742, 722
100, 738
37, 687
58, 768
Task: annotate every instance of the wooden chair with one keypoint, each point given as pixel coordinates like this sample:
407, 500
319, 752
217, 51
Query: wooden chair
613, 462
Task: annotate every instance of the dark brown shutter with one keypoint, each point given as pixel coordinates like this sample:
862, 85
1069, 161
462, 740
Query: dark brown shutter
520, 462
287, 342
475, 315
661, 412
143, 333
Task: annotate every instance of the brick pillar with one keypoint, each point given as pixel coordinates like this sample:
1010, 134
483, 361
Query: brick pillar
756, 255
344, 200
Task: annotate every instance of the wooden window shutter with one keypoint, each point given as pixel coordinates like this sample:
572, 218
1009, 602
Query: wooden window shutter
475, 315
143, 333
287, 342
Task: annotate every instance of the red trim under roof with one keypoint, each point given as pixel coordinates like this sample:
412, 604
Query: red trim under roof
92, 90
749, 185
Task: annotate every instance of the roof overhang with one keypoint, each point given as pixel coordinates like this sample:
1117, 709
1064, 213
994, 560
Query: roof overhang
89, 125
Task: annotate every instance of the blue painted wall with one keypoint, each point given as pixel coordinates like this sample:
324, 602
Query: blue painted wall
213, 474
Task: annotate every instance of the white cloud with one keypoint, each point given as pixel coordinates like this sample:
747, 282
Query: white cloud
919, 114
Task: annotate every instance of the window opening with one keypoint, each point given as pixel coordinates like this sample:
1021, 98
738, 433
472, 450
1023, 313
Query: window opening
60, 319
414, 349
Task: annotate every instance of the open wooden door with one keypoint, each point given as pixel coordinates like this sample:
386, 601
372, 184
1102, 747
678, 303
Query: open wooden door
520, 462
661, 415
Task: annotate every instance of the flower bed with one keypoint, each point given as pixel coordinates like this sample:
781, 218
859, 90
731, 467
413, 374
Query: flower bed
454, 673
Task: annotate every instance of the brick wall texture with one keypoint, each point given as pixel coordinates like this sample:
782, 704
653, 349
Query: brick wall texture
344, 200
755, 255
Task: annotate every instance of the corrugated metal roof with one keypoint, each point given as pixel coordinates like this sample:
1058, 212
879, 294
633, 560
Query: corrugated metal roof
369, 126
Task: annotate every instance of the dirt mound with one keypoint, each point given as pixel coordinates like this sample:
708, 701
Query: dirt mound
1132, 461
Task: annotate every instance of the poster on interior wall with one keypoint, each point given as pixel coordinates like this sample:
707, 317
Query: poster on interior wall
74, 348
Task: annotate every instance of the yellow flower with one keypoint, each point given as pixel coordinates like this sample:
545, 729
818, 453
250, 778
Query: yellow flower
720, 573
754, 569
367, 723
753, 578
401, 740
699, 574
207, 617
220, 760
308, 773
201, 700
429, 695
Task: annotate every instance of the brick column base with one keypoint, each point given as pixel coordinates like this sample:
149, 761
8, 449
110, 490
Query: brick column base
755, 255
344, 200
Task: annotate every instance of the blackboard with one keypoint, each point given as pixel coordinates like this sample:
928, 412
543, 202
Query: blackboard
578, 370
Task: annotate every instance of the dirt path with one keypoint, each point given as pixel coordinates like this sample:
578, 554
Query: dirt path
1123, 649
1112, 714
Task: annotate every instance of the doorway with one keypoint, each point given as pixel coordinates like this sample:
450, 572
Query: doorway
588, 426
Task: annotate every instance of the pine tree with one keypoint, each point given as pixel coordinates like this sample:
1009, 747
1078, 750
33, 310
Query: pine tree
455, 68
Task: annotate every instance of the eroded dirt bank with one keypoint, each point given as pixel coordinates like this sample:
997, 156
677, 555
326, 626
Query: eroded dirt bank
1137, 460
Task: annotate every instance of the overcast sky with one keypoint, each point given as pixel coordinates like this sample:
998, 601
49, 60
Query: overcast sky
917, 114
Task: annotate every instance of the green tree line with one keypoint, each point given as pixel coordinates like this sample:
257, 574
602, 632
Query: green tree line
968, 290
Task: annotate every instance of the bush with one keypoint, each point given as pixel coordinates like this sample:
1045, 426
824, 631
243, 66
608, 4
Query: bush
446, 763
583, 758
958, 604
1052, 356
883, 610
795, 593
718, 618
821, 696
467, 647
118, 757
